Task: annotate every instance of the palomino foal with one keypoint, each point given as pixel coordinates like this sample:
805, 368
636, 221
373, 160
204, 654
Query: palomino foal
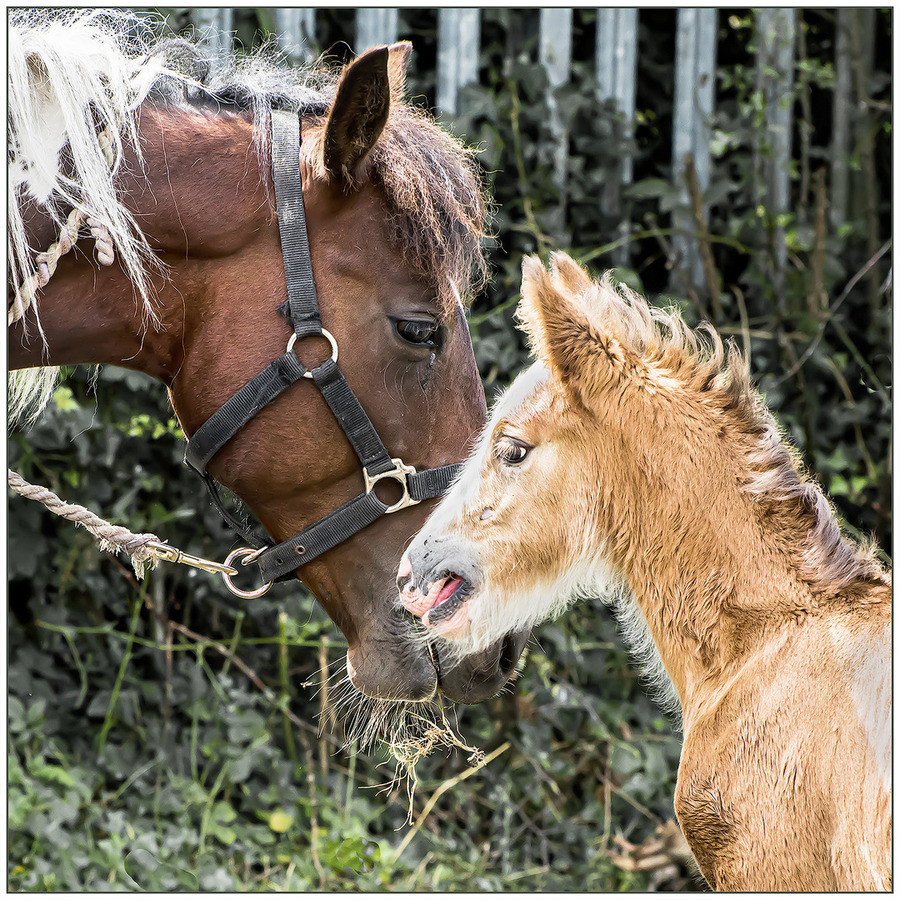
636, 461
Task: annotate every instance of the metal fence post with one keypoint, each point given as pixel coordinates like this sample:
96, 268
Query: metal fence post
616, 74
555, 54
376, 26
296, 32
459, 40
695, 82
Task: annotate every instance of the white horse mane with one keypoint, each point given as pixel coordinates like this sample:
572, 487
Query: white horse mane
73, 74
68, 74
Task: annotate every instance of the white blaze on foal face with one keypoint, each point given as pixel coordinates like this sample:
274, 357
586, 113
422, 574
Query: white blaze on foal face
469, 569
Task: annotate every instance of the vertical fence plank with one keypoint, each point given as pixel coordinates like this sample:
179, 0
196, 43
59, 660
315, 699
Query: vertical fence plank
695, 81
616, 75
376, 26
296, 28
555, 55
840, 130
459, 40
775, 33
214, 26
616, 66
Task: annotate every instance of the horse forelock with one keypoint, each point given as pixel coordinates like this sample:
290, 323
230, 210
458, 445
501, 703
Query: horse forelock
698, 361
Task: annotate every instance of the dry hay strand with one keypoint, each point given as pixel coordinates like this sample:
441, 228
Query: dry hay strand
409, 732
408, 750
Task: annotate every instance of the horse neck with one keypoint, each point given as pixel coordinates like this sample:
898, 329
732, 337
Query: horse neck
190, 163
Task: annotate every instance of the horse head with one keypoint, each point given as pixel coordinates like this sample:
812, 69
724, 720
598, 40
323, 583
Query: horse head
395, 213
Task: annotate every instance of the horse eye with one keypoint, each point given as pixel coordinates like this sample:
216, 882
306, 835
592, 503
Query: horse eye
511, 452
422, 333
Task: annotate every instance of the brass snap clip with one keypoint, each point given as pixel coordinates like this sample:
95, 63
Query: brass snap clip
174, 555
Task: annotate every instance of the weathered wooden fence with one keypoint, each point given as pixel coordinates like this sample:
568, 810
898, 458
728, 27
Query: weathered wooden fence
616, 66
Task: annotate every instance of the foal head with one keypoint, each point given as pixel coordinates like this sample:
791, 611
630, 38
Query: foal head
585, 476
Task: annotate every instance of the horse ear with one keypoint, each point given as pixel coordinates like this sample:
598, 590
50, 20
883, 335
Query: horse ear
359, 114
569, 275
397, 63
563, 334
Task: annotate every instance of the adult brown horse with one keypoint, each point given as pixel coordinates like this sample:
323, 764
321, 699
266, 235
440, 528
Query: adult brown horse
395, 214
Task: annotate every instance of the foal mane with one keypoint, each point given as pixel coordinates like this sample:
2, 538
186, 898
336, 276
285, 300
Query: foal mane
73, 73
774, 476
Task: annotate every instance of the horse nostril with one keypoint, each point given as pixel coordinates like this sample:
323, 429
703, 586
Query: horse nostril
404, 573
508, 657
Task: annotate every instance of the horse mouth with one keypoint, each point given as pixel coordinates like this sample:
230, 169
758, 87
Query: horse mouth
450, 593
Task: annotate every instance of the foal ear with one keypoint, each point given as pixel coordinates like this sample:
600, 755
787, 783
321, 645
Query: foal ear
359, 114
568, 275
556, 317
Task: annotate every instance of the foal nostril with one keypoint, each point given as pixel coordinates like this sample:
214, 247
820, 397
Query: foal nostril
404, 573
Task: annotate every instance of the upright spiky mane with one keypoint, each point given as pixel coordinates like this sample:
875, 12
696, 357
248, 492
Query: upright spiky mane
702, 363
74, 73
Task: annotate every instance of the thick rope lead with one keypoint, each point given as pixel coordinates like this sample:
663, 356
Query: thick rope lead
110, 537
47, 261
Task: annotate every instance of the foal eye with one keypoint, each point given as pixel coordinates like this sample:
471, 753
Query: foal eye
420, 332
511, 452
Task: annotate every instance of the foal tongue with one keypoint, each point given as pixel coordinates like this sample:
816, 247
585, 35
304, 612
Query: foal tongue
451, 585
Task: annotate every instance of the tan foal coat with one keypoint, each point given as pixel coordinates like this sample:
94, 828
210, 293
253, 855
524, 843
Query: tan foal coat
653, 465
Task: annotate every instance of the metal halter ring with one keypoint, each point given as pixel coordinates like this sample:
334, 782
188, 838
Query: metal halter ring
243, 551
325, 334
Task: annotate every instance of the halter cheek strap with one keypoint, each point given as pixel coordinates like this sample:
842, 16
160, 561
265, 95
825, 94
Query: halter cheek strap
279, 561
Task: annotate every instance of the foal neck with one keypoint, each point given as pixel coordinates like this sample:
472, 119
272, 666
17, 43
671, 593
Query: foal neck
713, 571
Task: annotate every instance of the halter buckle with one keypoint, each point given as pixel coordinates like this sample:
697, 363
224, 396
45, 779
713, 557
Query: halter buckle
400, 473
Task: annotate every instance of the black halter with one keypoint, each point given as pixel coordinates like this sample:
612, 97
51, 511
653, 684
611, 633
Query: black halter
278, 561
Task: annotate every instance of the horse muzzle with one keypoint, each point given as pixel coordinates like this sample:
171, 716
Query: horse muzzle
436, 577
480, 676
416, 677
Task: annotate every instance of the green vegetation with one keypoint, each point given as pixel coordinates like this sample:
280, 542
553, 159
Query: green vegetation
164, 736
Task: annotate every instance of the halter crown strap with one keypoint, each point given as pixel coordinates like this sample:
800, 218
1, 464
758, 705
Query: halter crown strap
301, 285
302, 309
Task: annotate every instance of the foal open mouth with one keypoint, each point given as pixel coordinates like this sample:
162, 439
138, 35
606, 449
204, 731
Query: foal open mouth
452, 595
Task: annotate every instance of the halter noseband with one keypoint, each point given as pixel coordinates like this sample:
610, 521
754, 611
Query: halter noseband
278, 561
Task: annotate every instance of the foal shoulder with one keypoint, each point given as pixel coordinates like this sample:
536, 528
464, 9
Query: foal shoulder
785, 772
